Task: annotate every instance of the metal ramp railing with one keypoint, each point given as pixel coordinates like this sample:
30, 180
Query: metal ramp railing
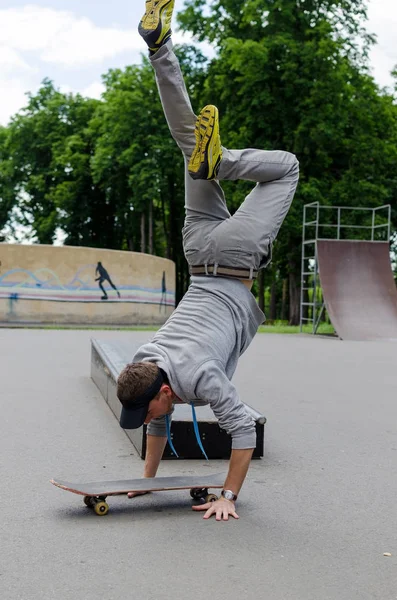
337, 223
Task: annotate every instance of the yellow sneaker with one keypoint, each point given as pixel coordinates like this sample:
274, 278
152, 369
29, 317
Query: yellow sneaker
155, 25
207, 154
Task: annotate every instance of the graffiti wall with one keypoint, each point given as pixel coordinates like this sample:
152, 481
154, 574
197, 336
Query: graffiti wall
69, 285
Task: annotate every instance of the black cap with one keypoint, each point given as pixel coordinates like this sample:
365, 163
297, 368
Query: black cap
133, 413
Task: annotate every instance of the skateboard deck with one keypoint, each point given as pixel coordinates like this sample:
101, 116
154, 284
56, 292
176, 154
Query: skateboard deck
95, 493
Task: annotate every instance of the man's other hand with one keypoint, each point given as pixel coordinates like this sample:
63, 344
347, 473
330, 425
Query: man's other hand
135, 494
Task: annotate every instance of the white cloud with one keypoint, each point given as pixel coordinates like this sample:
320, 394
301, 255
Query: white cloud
95, 90
35, 41
30, 35
12, 96
382, 20
10, 60
383, 63
61, 37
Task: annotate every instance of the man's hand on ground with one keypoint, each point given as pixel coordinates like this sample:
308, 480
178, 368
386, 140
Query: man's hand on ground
133, 494
222, 508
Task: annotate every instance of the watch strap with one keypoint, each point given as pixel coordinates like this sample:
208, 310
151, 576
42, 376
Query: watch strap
229, 495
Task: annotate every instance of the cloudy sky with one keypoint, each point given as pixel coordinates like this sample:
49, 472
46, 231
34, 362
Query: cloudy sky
73, 42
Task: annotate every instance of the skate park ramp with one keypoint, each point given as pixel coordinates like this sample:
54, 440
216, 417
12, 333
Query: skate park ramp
358, 289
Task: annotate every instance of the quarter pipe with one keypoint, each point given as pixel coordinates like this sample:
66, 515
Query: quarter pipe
358, 289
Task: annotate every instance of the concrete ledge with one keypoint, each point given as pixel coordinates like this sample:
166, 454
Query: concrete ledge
108, 360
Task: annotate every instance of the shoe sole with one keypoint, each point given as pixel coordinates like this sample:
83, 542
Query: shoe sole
155, 23
203, 163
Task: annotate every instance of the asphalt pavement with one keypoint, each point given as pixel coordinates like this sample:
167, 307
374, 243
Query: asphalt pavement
317, 514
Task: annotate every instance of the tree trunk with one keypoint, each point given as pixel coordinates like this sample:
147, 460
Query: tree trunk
273, 301
261, 290
175, 253
165, 227
284, 301
151, 227
294, 312
143, 233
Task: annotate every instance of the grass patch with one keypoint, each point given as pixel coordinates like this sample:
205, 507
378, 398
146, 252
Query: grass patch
283, 327
280, 327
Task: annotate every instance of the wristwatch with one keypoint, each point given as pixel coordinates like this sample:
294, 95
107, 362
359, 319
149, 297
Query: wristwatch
229, 495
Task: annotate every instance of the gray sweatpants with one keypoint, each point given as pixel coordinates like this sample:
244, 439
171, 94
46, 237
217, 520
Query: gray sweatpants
211, 236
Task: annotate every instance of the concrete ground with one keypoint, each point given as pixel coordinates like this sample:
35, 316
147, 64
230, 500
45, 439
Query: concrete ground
317, 513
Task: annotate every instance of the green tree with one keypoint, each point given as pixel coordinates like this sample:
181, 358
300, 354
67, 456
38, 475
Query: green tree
7, 197
39, 173
293, 74
138, 165
82, 211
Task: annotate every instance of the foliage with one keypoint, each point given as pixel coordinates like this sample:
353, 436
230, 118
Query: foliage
289, 74
293, 75
47, 166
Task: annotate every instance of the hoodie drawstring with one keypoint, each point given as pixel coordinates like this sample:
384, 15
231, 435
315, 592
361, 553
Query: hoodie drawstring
167, 424
196, 432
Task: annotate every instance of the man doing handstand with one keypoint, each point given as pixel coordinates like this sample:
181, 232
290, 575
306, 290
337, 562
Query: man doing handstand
193, 357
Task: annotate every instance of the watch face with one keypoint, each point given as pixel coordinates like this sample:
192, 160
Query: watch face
228, 495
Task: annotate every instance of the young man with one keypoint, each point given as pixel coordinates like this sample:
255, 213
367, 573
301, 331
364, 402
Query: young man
193, 357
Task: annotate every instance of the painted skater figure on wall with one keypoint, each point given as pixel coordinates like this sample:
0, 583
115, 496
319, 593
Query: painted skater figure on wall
104, 276
163, 301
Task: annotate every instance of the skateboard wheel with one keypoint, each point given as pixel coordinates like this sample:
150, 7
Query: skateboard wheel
198, 493
88, 501
101, 508
211, 498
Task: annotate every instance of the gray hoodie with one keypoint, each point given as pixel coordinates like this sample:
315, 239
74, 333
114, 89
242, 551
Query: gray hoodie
199, 347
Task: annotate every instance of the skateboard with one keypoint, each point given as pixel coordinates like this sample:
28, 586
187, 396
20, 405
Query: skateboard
95, 493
